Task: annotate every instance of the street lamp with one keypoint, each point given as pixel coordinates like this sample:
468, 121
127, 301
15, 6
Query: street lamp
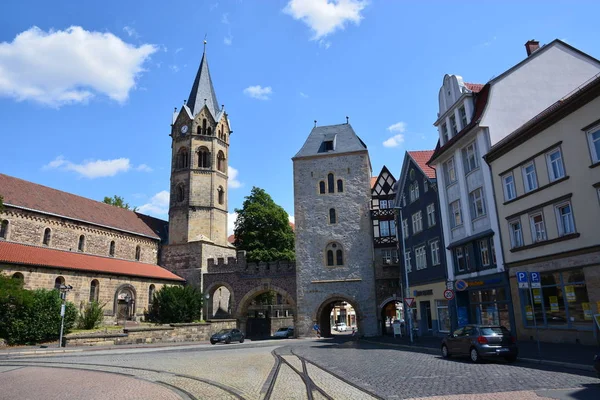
407, 287
63, 296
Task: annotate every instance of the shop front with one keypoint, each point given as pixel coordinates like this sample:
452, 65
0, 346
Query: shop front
431, 316
485, 300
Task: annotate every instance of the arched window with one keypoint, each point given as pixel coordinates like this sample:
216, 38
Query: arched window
209, 131
204, 126
4, 229
221, 133
19, 276
180, 192
138, 252
46, 240
221, 195
151, 290
340, 186
182, 158
221, 161
322, 187
330, 258
58, 282
199, 131
81, 244
330, 184
94, 290
332, 216
339, 257
203, 158
111, 249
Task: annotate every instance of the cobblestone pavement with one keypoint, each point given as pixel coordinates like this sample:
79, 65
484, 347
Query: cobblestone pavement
289, 369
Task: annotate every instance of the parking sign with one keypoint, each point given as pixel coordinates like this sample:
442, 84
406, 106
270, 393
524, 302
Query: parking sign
522, 279
534, 278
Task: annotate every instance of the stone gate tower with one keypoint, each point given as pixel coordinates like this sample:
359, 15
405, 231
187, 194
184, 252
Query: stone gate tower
334, 252
200, 133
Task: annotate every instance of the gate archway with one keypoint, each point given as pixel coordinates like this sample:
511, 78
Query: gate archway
259, 319
323, 313
220, 303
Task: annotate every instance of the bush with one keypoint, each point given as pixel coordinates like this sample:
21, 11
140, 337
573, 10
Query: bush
92, 316
175, 304
28, 317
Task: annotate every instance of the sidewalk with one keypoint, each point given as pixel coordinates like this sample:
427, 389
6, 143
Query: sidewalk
558, 354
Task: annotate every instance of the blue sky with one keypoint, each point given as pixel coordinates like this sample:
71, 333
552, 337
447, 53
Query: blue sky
87, 88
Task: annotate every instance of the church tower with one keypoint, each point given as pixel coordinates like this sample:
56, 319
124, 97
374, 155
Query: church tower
200, 133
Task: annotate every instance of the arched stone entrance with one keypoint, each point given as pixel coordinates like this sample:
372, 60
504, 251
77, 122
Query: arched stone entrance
220, 303
124, 303
389, 311
261, 320
323, 313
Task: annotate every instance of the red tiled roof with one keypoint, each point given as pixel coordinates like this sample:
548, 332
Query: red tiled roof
21, 254
21, 193
421, 157
373, 181
474, 87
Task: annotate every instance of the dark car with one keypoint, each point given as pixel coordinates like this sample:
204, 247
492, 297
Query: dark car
285, 332
227, 336
597, 364
481, 341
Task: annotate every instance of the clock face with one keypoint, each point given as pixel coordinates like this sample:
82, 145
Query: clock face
184, 129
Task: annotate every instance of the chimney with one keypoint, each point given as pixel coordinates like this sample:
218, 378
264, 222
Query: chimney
532, 46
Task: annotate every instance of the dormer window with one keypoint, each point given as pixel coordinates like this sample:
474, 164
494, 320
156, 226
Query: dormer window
463, 116
329, 145
453, 129
445, 132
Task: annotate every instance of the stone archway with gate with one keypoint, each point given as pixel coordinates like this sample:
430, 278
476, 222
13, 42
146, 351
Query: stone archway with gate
322, 313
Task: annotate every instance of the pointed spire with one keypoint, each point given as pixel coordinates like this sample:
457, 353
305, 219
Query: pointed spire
203, 91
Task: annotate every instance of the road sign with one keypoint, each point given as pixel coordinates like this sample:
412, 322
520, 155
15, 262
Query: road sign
448, 294
535, 279
409, 301
522, 279
461, 285
62, 310
449, 285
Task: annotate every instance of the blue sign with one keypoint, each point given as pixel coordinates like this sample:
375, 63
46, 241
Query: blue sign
535, 279
463, 316
460, 285
523, 280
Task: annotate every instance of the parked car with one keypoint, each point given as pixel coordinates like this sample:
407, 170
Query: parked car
481, 341
227, 336
341, 327
597, 364
285, 332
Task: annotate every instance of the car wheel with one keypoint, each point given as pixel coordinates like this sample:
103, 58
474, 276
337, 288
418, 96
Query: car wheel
511, 359
228, 340
445, 352
474, 355
242, 340
212, 342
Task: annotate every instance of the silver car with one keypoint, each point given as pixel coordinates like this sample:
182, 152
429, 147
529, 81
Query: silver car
481, 341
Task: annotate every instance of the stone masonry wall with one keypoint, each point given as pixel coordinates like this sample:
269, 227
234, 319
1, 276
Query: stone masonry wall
28, 227
354, 281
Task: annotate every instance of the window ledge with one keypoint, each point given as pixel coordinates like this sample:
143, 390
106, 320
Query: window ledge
451, 183
478, 218
471, 171
546, 242
564, 178
596, 164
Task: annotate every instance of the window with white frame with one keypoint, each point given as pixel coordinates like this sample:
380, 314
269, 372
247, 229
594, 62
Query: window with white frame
564, 219
431, 215
493, 251
392, 228
453, 128
460, 259
556, 168
383, 204
538, 227
417, 221
508, 182
435, 252
529, 177
414, 191
470, 157
450, 171
484, 252
445, 132
407, 261
455, 214
391, 203
389, 257
425, 185
463, 116
594, 142
405, 227
516, 234
477, 203
421, 257
384, 228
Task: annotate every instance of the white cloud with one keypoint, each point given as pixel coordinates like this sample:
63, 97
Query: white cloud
231, 218
228, 40
158, 205
394, 141
324, 44
303, 95
91, 168
258, 92
325, 16
144, 168
70, 66
174, 68
225, 19
177, 50
131, 32
233, 181
397, 127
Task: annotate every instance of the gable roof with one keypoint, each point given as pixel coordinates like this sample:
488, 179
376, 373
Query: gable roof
22, 254
384, 184
373, 181
203, 91
27, 195
421, 157
343, 136
474, 87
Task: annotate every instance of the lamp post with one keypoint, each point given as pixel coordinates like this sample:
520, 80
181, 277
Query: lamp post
207, 297
407, 287
63, 296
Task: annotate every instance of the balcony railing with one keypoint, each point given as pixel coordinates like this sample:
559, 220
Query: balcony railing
385, 241
385, 213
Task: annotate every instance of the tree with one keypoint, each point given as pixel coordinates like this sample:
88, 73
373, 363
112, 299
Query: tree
1, 203
263, 229
118, 201
175, 304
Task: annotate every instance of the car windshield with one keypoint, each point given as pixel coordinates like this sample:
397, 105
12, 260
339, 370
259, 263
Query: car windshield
494, 331
224, 331
282, 329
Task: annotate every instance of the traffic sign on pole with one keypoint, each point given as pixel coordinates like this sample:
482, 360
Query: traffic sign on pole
535, 279
523, 280
448, 294
409, 301
461, 285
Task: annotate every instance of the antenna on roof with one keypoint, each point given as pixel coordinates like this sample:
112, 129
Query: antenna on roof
175, 110
315, 123
205, 42
204, 101
347, 119
184, 101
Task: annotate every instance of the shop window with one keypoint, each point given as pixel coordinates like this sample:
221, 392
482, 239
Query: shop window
443, 316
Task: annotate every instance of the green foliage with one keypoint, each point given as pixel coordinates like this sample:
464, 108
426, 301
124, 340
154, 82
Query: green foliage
263, 229
267, 298
92, 316
1, 203
118, 201
28, 317
176, 304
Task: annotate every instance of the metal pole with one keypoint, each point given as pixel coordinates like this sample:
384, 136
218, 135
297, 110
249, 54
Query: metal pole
62, 318
407, 289
537, 335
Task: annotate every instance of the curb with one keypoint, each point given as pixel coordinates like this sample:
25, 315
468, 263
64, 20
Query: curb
580, 367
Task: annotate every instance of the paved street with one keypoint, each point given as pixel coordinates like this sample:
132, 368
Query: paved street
286, 369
